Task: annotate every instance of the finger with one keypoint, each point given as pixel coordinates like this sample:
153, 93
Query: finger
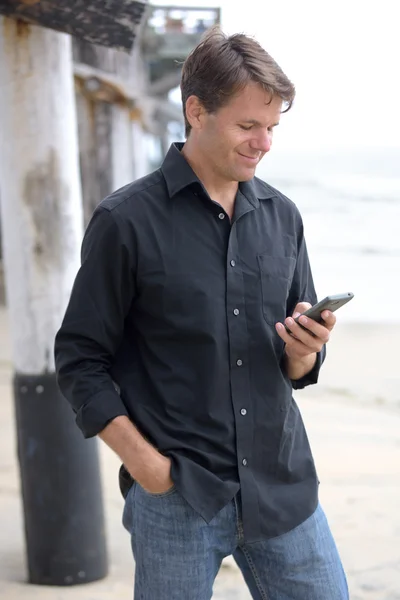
329, 319
284, 334
319, 331
293, 345
313, 336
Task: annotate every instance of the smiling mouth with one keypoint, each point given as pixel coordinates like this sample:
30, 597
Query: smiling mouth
253, 158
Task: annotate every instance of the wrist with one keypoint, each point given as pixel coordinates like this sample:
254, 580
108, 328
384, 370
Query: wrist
298, 366
154, 474
144, 463
149, 465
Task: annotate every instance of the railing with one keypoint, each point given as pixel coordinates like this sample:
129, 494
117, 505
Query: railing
171, 32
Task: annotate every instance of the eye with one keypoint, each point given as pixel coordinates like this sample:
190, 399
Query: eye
245, 128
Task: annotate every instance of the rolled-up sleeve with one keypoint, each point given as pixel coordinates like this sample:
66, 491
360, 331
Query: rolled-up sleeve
312, 376
303, 290
93, 326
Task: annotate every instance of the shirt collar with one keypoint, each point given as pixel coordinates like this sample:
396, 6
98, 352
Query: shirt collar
178, 174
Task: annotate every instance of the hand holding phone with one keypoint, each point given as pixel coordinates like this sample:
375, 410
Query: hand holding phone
330, 303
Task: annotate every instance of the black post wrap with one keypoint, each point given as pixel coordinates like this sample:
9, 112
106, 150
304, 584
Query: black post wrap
61, 487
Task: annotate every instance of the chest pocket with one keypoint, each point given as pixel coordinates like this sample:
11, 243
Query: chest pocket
276, 275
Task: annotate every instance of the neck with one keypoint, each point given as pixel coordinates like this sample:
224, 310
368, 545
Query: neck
219, 189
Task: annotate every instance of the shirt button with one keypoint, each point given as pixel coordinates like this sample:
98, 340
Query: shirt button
233, 263
244, 462
236, 311
243, 412
221, 216
239, 362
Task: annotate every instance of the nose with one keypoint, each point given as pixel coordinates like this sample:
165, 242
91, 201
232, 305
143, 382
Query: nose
263, 141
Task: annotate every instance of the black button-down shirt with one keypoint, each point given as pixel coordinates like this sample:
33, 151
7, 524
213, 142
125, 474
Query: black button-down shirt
171, 322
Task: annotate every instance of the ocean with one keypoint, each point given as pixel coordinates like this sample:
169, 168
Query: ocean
350, 203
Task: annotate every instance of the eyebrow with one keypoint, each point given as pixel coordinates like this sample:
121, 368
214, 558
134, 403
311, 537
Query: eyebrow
255, 122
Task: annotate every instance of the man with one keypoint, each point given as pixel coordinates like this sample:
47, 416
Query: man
173, 348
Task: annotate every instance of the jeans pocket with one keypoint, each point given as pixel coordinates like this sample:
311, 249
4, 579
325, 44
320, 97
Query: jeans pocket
276, 275
127, 515
169, 492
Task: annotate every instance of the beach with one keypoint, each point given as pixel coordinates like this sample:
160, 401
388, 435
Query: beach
353, 421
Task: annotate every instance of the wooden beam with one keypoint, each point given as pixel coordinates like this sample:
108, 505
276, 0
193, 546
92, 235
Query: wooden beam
168, 110
122, 156
113, 23
111, 88
104, 86
167, 83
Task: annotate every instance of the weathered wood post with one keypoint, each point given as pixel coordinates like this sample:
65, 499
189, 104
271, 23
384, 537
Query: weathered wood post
42, 230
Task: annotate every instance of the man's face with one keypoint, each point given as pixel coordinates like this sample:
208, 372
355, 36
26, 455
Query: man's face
237, 136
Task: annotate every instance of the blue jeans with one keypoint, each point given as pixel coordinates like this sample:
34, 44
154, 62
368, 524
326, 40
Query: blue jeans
178, 555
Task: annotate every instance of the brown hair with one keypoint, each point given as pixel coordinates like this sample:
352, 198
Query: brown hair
220, 66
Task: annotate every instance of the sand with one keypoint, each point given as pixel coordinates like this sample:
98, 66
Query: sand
353, 421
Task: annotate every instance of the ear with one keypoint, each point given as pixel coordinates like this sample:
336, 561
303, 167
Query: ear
194, 112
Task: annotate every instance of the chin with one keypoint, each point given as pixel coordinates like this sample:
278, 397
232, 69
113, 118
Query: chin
245, 175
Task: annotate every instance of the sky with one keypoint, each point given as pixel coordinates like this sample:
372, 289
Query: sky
343, 58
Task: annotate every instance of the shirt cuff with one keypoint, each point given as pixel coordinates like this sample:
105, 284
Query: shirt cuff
311, 377
100, 409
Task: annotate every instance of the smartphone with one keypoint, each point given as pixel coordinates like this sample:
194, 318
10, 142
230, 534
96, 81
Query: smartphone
330, 303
